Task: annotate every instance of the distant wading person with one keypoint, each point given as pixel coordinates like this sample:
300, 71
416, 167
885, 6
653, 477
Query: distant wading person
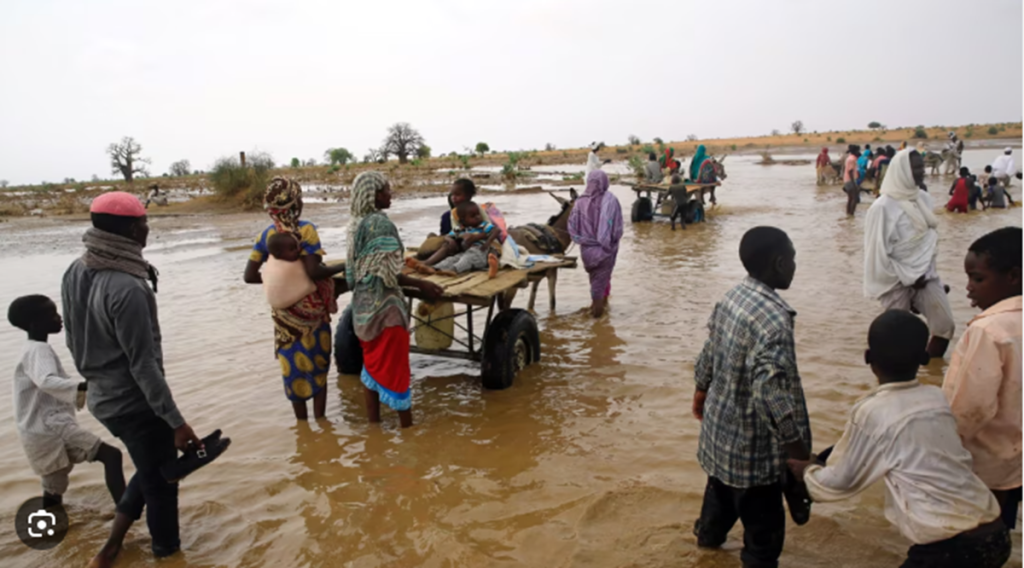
114, 336
652, 170
1003, 167
960, 192
593, 160
595, 224
850, 184
380, 315
822, 164
900, 246
302, 332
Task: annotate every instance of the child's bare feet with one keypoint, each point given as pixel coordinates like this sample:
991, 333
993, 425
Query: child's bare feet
422, 268
106, 557
492, 266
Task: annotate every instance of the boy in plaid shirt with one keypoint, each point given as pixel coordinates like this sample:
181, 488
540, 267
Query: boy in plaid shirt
751, 404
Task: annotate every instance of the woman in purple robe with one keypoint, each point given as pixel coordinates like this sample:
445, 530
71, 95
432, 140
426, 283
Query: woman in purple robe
596, 226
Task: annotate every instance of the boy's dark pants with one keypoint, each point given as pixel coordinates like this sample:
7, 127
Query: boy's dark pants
150, 443
987, 546
758, 508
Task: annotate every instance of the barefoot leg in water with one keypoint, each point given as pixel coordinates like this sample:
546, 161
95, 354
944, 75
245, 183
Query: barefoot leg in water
405, 418
112, 548
299, 407
320, 404
372, 404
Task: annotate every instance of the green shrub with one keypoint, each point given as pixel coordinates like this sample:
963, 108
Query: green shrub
840, 140
647, 149
229, 178
636, 165
992, 130
733, 147
621, 150
333, 169
921, 133
296, 163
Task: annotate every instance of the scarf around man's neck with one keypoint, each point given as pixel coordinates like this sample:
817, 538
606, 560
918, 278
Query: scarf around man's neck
107, 251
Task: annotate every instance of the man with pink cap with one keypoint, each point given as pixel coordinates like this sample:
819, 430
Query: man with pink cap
114, 336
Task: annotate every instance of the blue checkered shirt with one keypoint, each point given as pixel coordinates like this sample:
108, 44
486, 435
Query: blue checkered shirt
755, 402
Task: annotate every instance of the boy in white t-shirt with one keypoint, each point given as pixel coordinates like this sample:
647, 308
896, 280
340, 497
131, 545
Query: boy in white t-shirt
45, 400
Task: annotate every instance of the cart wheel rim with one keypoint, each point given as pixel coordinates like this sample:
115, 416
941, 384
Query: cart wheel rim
521, 354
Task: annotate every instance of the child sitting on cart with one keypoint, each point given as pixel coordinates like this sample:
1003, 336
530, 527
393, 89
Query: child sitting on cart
471, 245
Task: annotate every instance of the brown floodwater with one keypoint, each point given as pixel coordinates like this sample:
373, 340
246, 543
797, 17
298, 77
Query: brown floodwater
587, 461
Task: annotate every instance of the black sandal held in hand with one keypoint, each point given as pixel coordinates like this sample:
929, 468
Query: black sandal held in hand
797, 498
195, 458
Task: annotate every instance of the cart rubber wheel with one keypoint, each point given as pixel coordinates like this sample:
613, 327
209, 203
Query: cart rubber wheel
643, 210
510, 344
348, 352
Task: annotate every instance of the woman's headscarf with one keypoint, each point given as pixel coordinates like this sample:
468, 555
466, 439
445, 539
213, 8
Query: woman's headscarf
899, 184
666, 159
698, 160
282, 203
384, 261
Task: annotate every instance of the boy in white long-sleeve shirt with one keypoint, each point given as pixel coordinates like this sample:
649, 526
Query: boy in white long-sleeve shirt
905, 433
45, 400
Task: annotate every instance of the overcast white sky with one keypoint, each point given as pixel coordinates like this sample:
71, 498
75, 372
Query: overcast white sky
202, 79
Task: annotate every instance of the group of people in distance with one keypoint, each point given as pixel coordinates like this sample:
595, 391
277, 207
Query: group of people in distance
966, 193
951, 463
950, 458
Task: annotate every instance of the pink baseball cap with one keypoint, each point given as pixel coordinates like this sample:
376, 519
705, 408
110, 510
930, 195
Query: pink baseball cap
118, 203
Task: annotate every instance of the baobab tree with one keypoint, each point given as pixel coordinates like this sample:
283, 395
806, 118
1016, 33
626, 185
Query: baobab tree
402, 141
798, 127
180, 168
125, 159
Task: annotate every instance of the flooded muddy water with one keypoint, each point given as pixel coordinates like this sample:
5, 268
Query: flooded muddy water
587, 461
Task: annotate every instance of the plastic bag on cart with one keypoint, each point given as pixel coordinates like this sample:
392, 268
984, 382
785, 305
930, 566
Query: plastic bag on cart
512, 255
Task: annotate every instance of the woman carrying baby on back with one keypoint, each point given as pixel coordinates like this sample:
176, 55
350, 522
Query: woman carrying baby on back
300, 291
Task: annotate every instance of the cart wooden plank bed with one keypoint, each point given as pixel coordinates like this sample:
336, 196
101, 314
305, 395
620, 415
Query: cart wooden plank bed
510, 340
650, 197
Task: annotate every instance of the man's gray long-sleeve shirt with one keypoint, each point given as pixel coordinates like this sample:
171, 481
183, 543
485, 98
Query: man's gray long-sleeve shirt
112, 331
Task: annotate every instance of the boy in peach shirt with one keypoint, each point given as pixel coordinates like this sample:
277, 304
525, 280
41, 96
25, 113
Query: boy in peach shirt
983, 383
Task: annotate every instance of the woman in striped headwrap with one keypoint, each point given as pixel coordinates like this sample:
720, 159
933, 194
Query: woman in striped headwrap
302, 332
379, 312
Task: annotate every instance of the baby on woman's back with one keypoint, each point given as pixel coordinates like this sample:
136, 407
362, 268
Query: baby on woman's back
285, 280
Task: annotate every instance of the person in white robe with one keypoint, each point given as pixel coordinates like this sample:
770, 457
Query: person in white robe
1003, 168
900, 247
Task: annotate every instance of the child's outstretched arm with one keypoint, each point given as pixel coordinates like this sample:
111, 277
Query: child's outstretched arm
857, 461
